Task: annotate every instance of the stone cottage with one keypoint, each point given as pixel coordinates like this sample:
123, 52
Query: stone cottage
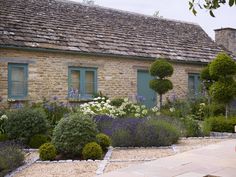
70, 50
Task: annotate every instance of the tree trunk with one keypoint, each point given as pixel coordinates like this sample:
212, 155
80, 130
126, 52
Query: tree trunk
226, 111
160, 101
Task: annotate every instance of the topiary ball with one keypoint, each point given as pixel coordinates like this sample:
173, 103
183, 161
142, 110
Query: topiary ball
103, 140
37, 140
161, 68
72, 133
222, 66
161, 86
47, 151
223, 92
92, 151
3, 137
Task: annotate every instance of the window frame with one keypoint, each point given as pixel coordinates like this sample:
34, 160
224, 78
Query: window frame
82, 81
197, 84
10, 68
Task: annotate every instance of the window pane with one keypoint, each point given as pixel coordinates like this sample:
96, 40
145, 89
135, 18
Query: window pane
89, 82
75, 80
17, 74
18, 88
191, 84
18, 81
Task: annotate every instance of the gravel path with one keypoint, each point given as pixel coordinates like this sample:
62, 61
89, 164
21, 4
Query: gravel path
76, 169
120, 158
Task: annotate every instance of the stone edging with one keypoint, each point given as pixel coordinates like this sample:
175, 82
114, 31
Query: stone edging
104, 162
19, 169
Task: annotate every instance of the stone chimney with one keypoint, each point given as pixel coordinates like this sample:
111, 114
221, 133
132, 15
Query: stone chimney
226, 37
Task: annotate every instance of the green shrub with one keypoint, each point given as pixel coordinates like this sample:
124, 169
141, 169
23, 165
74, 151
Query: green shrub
220, 124
122, 138
3, 137
25, 123
103, 140
215, 109
72, 133
117, 102
11, 157
47, 151
37, 140
192, 128
161, 68
156, 133
92, 151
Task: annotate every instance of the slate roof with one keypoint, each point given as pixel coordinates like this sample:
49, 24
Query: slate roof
71, 26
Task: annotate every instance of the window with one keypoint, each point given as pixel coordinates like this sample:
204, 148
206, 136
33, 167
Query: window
17, 81
194, 84
82, 82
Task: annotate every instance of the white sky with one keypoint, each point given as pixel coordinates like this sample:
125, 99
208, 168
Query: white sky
176, 9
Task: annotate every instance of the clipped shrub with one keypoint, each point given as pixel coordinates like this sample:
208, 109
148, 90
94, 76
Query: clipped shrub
103, 140
3, 137
220, 124
222, 66
72, 133
161, 68
25, 123
37, 140
11, 157
92, 151
47, 151
156, 133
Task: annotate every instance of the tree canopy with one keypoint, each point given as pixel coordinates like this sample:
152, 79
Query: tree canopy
209, 5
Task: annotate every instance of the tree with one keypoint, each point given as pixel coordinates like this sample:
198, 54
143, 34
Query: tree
161, 69
209, 5
221, 71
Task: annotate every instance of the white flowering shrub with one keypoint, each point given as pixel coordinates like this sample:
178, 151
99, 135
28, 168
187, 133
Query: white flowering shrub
102, 106
3, 118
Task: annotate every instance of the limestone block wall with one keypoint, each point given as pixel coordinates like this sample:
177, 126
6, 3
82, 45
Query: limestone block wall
117, 77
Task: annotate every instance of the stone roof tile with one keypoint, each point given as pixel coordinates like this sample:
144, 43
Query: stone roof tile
67, 25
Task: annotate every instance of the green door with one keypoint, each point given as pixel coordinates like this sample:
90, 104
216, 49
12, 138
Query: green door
144, 91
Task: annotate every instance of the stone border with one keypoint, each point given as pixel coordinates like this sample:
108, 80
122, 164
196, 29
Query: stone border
19, 169
104, 162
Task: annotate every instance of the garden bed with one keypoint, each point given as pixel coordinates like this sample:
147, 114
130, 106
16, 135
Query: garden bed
120, 158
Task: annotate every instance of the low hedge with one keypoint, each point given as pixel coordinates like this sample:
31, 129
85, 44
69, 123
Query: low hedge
219, 124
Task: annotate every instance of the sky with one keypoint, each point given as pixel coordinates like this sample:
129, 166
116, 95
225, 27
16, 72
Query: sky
178, 10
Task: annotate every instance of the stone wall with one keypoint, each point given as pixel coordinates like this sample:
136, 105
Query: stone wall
227, 38
117, 77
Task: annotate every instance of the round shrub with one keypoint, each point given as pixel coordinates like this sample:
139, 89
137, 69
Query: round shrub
3, 137
37, 140
222, 66
156, 133
161, 86
161, 68
223, 92
103, 140
92, 151
25, 123
47, 151
72, 133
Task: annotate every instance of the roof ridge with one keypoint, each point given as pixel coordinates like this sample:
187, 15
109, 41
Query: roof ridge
129, 12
